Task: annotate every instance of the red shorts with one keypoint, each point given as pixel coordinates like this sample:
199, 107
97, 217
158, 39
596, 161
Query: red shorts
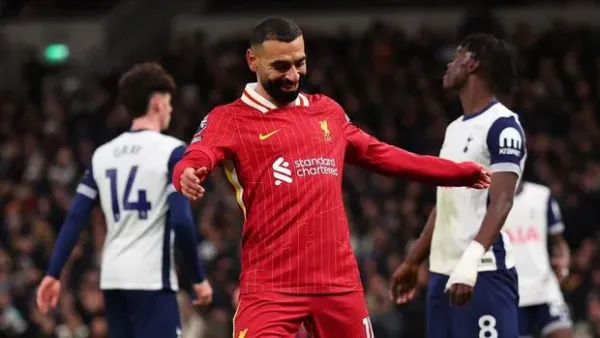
271, 314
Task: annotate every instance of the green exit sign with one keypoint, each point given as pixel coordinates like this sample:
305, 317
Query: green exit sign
56, 53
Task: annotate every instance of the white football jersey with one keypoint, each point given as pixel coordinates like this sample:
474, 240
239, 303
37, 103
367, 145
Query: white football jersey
131, 177
534, 215
494, 139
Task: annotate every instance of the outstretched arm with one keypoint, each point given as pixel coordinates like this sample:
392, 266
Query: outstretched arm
370, 153
81, 208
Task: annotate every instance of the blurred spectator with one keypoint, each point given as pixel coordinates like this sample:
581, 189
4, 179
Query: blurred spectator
53, 8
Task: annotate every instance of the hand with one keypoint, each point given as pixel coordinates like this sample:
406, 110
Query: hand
190, 182
478, 178
464, 276
404, 283
48, 293
560, 265
460, 294
204, 293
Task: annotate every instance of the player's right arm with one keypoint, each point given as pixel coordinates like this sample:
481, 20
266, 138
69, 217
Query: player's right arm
370, 153
405, 278
81, 208
211, 144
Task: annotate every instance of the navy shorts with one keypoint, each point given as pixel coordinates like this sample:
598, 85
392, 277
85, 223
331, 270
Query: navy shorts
492, 312
543, 319
142, 314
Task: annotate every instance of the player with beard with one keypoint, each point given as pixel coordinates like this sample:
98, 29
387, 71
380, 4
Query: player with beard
284, 153
472, 288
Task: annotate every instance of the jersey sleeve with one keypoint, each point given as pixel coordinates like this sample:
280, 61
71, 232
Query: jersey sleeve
182, 222
385, 159
554, 217
87, 186
506, 144
176, 156
186, 236
215, 136
212, 143
81, 208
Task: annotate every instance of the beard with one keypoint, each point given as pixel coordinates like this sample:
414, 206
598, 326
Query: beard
275, 88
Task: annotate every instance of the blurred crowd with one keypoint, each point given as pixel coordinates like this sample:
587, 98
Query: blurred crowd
29, 9
33, 9
389, 85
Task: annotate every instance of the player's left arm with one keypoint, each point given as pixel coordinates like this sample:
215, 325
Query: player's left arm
559, 249
81, 209
506, 145
180, 218
382, 158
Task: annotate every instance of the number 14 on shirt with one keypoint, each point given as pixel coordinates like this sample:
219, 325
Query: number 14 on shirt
142, 206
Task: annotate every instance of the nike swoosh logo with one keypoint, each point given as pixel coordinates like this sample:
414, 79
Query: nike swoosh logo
263, 137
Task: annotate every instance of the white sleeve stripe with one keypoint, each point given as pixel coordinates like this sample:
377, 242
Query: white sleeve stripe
506, 167
556, 228
171, 189
87, 191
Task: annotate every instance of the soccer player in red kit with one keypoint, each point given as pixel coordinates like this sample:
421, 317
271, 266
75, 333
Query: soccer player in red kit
284, 153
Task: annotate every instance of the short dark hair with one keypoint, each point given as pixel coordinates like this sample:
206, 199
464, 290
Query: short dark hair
140, 82
274, 28
497, 61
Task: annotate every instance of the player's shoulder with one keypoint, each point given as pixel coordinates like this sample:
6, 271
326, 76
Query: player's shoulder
232, 108
106, 147
168, 140
323, 104
225, 112
167, 143
157, 140
500, 114
320, 100
456, 127
456, 123
219, 117
160, 144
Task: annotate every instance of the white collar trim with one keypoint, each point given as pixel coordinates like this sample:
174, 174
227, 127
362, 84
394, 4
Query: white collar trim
256, 101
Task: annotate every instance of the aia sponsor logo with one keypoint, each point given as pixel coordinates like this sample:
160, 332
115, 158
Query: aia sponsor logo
523, 235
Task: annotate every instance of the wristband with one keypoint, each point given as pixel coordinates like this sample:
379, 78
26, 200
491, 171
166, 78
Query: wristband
466, 270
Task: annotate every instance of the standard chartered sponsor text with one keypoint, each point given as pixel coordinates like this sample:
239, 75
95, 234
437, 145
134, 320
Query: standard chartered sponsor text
315, 166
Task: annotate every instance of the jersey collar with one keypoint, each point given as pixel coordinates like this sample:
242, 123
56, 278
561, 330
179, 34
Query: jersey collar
256, 101
138, 130
480, 111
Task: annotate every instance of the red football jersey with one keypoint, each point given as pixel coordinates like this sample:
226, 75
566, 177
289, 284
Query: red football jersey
286, 167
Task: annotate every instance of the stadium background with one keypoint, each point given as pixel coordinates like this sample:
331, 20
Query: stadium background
382, 60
